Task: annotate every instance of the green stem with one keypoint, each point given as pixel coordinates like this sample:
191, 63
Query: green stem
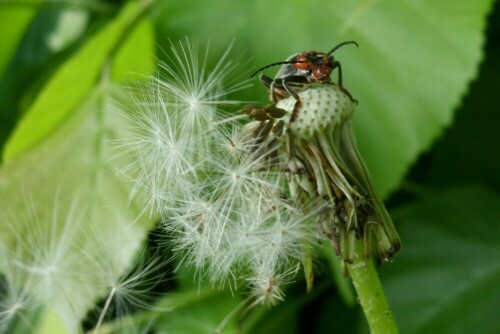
371, 294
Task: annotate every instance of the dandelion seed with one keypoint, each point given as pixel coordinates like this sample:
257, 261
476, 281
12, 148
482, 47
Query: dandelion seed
196, 93
127, 291
16, 302
172, 118
221, 199
53, 261
247, 201
194, 232
267, 284
163, 160
43, 260
234, 143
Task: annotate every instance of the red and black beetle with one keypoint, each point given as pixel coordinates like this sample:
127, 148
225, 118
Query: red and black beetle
300, 70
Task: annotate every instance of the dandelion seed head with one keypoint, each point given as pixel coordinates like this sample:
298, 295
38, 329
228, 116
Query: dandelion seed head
228, 207
194, 232
233, 143
193, 103
131, 288
323, 106
196, 92
266, 285
325, 165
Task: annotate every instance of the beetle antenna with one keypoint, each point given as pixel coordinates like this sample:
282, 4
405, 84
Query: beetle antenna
274, 64
342, 44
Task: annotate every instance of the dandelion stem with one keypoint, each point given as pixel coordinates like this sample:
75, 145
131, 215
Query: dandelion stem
371, 294
104, 310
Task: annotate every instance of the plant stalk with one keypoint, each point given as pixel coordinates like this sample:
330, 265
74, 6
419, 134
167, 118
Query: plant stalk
370, 293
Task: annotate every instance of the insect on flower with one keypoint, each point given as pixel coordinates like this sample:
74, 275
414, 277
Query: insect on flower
307, 133
300, 70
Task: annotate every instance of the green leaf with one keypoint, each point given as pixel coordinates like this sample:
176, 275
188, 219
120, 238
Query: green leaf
343, 284
15, 20
287, 317
413, 65
466, 152
446, 278
52, 324
158, 316
71, 170
203, 310
69, 26
69, 85
201, 315
334, 316
136, 56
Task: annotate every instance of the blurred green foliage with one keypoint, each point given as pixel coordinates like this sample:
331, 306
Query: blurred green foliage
426, 76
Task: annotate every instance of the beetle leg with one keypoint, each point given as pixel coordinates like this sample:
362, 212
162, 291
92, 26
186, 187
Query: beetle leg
298, 103
336, 64
272, 90
290, 147
264, 131
278, 128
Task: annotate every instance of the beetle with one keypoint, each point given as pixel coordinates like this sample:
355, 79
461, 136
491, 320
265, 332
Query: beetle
300, 70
